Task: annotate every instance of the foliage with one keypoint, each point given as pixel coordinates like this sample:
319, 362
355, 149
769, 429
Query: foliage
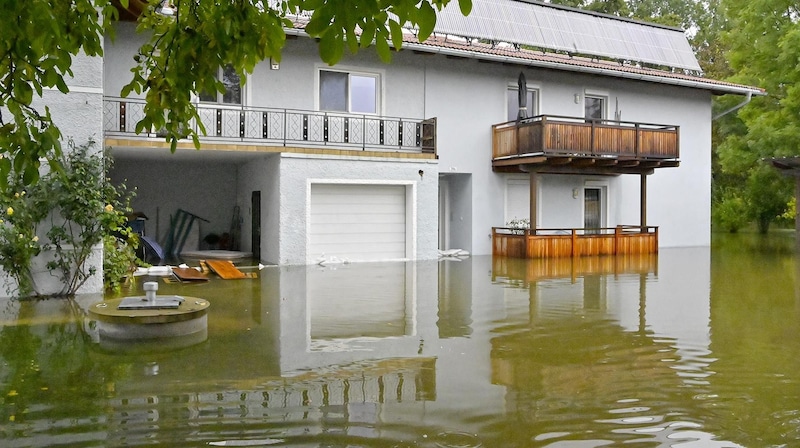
86, 207
767, 195
730, 213
763, 36
791, 210
38, 39
119, 259
19, 214
73, 209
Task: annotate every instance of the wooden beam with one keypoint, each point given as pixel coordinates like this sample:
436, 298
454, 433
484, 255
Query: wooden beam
584, 162
628, 163
606, 162
559, 160
519, 161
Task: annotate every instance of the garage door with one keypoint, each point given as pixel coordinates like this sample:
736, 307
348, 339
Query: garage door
357, 222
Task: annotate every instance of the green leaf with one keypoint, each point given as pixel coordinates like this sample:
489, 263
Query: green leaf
397, 34
382, 47
426, 21
465, 6
331, 47
367, 33
23, 92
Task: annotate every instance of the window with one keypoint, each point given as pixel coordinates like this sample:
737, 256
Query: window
531, 100
233, 88
594, 107
348, 92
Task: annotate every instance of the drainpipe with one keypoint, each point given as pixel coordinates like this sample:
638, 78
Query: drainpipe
747, 99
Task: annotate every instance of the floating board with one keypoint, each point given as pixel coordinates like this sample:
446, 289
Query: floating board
225, 269
190, 275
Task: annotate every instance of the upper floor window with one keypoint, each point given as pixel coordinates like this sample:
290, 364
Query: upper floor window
233, 88
594, 107
531, 102
348, 92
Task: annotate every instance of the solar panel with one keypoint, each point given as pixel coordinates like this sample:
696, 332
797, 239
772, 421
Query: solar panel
552, 28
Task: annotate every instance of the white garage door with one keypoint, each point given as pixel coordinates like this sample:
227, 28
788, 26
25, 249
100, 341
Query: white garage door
357, 222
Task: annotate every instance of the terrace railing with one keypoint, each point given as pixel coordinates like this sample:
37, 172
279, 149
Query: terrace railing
557, 243
579, 137
286, 127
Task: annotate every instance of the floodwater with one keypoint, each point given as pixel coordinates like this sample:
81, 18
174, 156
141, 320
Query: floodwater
694, 347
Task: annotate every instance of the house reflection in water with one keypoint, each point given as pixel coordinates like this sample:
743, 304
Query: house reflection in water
476, 345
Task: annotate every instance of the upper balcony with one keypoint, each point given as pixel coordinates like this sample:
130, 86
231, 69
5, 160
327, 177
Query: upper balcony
549, 143
285, 129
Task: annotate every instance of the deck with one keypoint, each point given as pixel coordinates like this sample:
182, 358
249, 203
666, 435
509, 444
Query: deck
558, 243
549, 143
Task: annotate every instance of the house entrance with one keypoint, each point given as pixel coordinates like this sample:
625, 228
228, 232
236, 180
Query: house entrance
255, 207
592, 210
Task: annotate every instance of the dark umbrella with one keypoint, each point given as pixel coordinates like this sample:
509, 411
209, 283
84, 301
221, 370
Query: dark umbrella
522, 97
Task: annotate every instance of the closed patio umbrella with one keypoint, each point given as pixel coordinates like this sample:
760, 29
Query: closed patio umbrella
522, 94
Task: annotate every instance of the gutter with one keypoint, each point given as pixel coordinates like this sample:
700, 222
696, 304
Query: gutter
734, 108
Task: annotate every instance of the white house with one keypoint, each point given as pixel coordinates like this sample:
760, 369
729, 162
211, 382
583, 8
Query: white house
371, 161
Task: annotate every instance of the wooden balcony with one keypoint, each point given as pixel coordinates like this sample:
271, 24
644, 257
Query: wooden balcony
285, 128
548, 143
557, 243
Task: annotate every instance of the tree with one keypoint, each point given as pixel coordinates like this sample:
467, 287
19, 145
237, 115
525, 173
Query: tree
764, 37
39, 38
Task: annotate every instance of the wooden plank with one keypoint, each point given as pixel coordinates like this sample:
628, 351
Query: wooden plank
190, 275
225, 269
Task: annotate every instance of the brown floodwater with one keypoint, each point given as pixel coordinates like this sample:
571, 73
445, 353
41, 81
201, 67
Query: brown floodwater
695, 347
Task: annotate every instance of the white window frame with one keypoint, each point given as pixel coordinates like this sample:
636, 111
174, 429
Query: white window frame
220, 95
378, 75
535, 104
604, 96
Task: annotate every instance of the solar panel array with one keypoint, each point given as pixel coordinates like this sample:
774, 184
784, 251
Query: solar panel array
575, 32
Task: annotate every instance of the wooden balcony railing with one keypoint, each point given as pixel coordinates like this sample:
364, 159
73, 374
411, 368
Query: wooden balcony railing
556, 243
560, 137
287, 127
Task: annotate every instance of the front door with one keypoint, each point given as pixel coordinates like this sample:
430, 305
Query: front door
592, 210
255, 207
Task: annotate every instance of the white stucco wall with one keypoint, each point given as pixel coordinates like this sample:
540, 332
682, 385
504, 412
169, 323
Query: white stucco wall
261, 174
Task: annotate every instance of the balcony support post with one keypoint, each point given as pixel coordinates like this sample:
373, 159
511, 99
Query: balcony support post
534, 180
643, 201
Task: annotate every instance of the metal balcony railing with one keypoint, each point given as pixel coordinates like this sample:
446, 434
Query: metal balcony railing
286, 127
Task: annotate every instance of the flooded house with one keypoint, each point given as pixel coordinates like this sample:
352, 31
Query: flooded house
592, 130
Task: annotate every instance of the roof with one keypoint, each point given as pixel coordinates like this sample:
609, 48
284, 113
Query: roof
574, 31
789, 165
512, 55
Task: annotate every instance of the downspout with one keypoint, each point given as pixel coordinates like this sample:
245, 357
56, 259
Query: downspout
747, 99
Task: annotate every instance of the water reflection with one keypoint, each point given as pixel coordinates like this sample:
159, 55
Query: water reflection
689, 348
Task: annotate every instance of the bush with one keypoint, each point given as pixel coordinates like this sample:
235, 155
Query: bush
74, 208
730, 214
